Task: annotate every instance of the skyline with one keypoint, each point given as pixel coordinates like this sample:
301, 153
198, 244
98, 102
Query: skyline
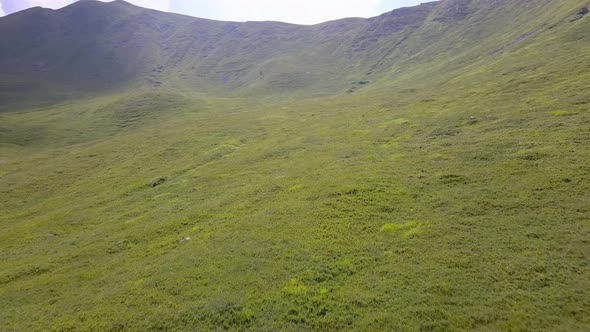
290, 11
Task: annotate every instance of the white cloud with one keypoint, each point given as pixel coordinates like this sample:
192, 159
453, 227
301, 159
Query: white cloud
1, 11
293, 11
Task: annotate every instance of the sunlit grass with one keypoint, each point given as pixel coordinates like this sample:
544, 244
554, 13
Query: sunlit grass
386, 209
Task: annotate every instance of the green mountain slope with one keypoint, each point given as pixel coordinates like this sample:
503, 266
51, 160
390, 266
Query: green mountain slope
426, 169
92, 46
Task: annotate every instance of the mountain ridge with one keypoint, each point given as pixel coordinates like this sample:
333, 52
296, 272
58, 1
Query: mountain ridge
138, 48
427, 170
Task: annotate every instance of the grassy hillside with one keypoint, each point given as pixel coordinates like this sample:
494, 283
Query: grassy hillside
91, 48
434, 176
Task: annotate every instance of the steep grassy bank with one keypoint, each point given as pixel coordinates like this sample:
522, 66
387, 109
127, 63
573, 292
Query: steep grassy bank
452, 196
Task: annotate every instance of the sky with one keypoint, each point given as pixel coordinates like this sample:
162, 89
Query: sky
292, 11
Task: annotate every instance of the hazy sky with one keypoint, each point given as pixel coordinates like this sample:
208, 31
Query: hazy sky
293, 11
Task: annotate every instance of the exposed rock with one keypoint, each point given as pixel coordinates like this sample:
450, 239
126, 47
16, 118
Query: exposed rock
581, 13
157, 181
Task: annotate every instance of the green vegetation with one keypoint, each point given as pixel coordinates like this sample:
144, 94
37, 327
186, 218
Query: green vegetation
449, 191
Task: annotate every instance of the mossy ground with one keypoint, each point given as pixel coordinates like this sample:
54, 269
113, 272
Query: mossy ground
454, 203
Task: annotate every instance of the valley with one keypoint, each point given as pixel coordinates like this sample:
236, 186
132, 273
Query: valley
424, 170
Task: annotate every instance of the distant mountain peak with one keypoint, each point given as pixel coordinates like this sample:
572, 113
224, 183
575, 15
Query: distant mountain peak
95, 46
